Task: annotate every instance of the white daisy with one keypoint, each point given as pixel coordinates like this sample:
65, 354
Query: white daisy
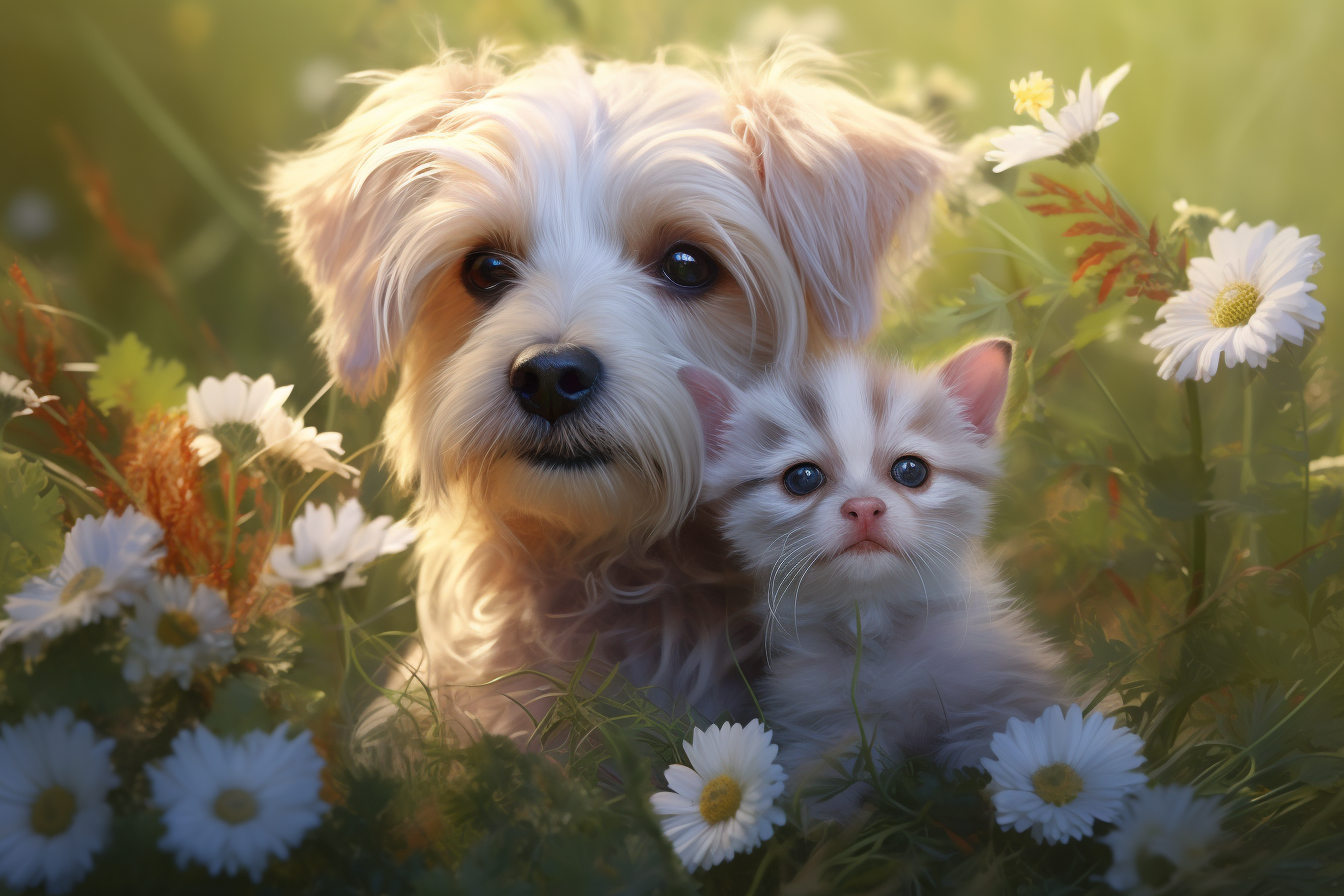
1059, 774
18, 398
287, 442
229, 412
1161, 835
1072, 137
106, 561
328, 544
177, 630
1242, 303
231, 805
724, 803
54, 816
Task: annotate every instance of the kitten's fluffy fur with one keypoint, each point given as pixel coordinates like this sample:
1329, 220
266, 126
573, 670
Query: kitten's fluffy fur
537, 534
947, 659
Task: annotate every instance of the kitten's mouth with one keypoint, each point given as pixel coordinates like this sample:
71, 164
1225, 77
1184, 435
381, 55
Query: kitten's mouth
867, 546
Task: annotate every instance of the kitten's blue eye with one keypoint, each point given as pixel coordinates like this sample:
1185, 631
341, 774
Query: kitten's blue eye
803, 479
910, 471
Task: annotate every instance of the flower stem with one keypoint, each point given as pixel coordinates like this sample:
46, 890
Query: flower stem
1199, 535
1115, 407
865, 748
1248, 468
1110, 188
1306, 470
230, 512
1042, 263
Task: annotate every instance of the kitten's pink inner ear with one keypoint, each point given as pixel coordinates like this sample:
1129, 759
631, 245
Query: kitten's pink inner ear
713, 397
978, 378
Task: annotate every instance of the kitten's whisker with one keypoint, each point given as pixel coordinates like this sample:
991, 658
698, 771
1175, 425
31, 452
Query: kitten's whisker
798, 589
797, 569
796, 573
777, 586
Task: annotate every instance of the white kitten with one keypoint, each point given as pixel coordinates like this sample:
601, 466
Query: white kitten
851, 486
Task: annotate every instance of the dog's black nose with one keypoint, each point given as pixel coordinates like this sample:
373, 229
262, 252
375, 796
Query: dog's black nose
553, 380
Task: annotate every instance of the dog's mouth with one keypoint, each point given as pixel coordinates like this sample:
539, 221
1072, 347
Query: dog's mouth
574, 461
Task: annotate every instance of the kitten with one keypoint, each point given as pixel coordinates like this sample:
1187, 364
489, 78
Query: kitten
849, 483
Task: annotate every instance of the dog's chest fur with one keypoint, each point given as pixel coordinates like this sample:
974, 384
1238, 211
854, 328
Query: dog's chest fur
490, 607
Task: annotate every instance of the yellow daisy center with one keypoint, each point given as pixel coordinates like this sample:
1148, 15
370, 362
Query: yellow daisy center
235, 806
53, 811
1057, 784
720, 799
177, 628
1235, 304
84, 580
1032, 94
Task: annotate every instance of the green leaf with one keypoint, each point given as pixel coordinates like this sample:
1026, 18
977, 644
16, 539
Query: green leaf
239, 707
130, 379
78, 671
982, 300
1108, 323
30, 521
1176, 484
1322, 771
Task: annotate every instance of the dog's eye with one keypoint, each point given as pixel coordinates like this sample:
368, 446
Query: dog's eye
689, 267
910, 471
803, 479
486, 274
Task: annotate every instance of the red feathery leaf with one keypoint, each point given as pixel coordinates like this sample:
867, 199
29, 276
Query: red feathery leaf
1046, 209
1108, 281
1094, 255
1086, 228
1130, 224
1152, 237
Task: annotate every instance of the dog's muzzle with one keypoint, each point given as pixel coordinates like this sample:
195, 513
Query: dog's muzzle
552, 380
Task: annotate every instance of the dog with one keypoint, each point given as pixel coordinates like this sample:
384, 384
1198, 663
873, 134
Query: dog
537, 250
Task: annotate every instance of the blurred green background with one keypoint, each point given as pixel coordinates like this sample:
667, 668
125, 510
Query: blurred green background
133, 129
1229, 104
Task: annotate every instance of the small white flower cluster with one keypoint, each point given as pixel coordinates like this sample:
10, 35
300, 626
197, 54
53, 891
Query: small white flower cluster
247, 417
227, 805
107, 566
1062, 773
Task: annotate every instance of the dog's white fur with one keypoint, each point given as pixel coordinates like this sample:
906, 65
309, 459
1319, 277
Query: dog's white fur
586, 175
947, 657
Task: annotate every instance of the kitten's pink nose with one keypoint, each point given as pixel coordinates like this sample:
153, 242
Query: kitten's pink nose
863, 512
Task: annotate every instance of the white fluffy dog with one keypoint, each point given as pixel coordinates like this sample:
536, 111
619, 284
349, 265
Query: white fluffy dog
540, 249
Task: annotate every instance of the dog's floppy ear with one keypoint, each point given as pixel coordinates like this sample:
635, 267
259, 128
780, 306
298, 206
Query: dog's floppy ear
843, 181
341, 204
